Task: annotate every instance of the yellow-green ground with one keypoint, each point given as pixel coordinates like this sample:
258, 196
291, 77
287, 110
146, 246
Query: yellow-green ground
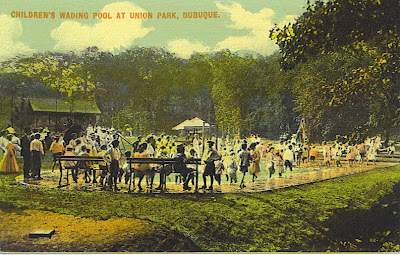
351, 213
83, 234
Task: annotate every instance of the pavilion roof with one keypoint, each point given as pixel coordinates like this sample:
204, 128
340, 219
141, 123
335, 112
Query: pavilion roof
191, 124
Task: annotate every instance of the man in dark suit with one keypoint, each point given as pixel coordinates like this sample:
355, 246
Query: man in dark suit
26, 152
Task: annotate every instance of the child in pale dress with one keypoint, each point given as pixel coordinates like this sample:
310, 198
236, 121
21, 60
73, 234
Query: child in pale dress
371, 155
336, 152
231, 167
327, 154
350, 157
270, 159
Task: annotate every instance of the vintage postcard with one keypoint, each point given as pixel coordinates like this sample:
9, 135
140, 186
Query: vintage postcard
199, 126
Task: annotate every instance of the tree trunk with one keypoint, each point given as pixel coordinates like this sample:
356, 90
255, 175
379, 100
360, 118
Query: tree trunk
387, 137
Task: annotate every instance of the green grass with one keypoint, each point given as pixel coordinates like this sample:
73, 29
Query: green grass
299, 218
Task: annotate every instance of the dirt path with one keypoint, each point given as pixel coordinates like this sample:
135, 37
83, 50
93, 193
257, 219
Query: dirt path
76, 234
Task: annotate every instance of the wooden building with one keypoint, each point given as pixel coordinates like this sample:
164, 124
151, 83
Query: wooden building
59, 114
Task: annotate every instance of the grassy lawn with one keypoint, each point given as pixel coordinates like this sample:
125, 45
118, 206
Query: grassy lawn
354, 213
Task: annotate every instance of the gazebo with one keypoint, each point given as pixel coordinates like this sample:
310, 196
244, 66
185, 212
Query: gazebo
195, 124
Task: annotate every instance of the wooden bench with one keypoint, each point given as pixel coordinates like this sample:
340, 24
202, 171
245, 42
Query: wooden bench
164, 162
130, 161
76, 159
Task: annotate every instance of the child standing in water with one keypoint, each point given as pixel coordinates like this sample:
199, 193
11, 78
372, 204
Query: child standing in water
244, 164
327, 154
279, 163
270, 159
231, 167
255, 161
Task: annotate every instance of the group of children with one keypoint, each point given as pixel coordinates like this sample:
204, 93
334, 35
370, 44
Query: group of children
246, 155
219, 157
114, 168
352, 152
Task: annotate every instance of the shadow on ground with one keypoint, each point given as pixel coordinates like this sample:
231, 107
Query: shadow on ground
371, 229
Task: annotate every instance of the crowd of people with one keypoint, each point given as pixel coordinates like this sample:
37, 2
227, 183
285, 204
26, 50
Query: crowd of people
31, 146
221, 158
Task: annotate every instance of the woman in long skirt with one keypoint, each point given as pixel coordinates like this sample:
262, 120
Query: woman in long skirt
9, 162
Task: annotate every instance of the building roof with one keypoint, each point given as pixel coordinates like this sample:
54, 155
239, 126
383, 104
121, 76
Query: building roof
194, 123
197, 122
62, 106
181, 126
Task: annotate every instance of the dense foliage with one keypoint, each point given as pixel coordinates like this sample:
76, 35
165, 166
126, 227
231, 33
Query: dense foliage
338, 68
345, 58
152, 90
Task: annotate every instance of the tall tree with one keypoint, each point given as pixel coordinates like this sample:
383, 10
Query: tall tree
358, 39
233, 89
327, 26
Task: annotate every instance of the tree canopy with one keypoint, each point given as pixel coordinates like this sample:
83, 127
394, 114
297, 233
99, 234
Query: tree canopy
338, 67
345, 59
150, 89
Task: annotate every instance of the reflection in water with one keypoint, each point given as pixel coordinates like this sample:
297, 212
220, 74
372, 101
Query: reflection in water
299, 175
310, 175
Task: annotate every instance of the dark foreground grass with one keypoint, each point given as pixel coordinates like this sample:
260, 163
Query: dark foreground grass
354, 213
